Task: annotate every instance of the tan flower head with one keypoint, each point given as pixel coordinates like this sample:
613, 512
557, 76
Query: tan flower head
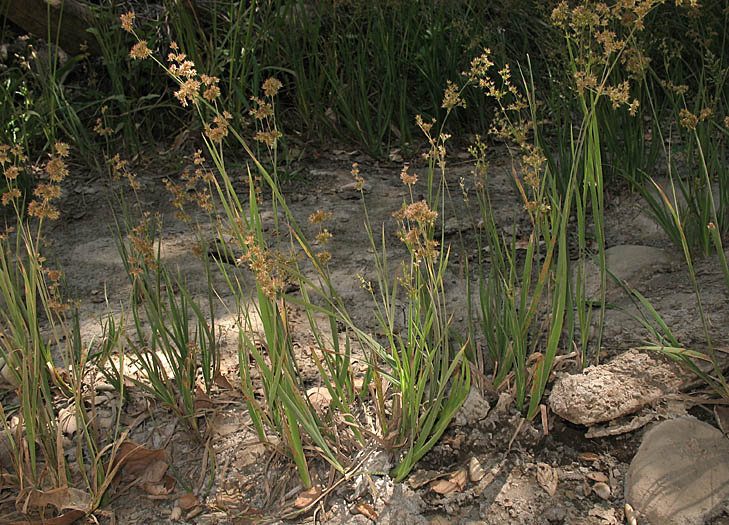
319, 216
11, 195
688, 119
140, 51
61, 149
421, 213
43, 209
219, 129
269, 138
56, 169
452, 97
127, 21
211, 93
324, 236
271, 87
12, 172
187, 91
324, 258
407, 178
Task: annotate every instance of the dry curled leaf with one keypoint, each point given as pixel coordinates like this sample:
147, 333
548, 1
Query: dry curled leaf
202, 400
588, 456
176, 514
721, 413
149, 466
423, 477
460, 478
319, 397
188, 501
160, 489
64, 498
308, 497
456, 482
602, 490
597, 476
226, 385
547, 478
443, 487
72, 516
366, 510
475, 470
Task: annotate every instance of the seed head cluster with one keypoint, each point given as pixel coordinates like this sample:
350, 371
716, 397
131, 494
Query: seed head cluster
417, 221
323, 236
48, 190
264, 264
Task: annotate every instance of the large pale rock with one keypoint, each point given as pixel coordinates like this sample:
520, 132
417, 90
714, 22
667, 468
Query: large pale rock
680, 475
615, 389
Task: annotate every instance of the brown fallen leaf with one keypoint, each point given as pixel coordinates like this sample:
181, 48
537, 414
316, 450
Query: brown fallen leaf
66, 518
602, 490
319, 397
160, 489
63, 498
135, 458
547, 478
223, 383
721, 413
456, 482
155, 472
443, 487
423, 477
366, 510
588, 456
155, 489
188, 501
202, 400
475, 470
148, 466
459, 478
597, 476
308, 497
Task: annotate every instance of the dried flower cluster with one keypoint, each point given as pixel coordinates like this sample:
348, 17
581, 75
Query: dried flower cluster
55, 298
436, 154
406, 178
357, 177
46, 191
264, 116
195, 188
11, 160
417, 222
263, 263
323, 236
101, 128
218, 130
120, 170
141, 242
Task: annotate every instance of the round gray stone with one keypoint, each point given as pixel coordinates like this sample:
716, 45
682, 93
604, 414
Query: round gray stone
680, 475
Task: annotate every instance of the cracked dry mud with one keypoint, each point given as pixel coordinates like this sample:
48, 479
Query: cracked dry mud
504, 469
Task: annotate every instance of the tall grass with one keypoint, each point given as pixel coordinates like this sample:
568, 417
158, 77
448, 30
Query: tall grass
360, 72
47, 364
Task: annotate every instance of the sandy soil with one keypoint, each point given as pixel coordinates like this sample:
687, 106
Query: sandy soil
518, 458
